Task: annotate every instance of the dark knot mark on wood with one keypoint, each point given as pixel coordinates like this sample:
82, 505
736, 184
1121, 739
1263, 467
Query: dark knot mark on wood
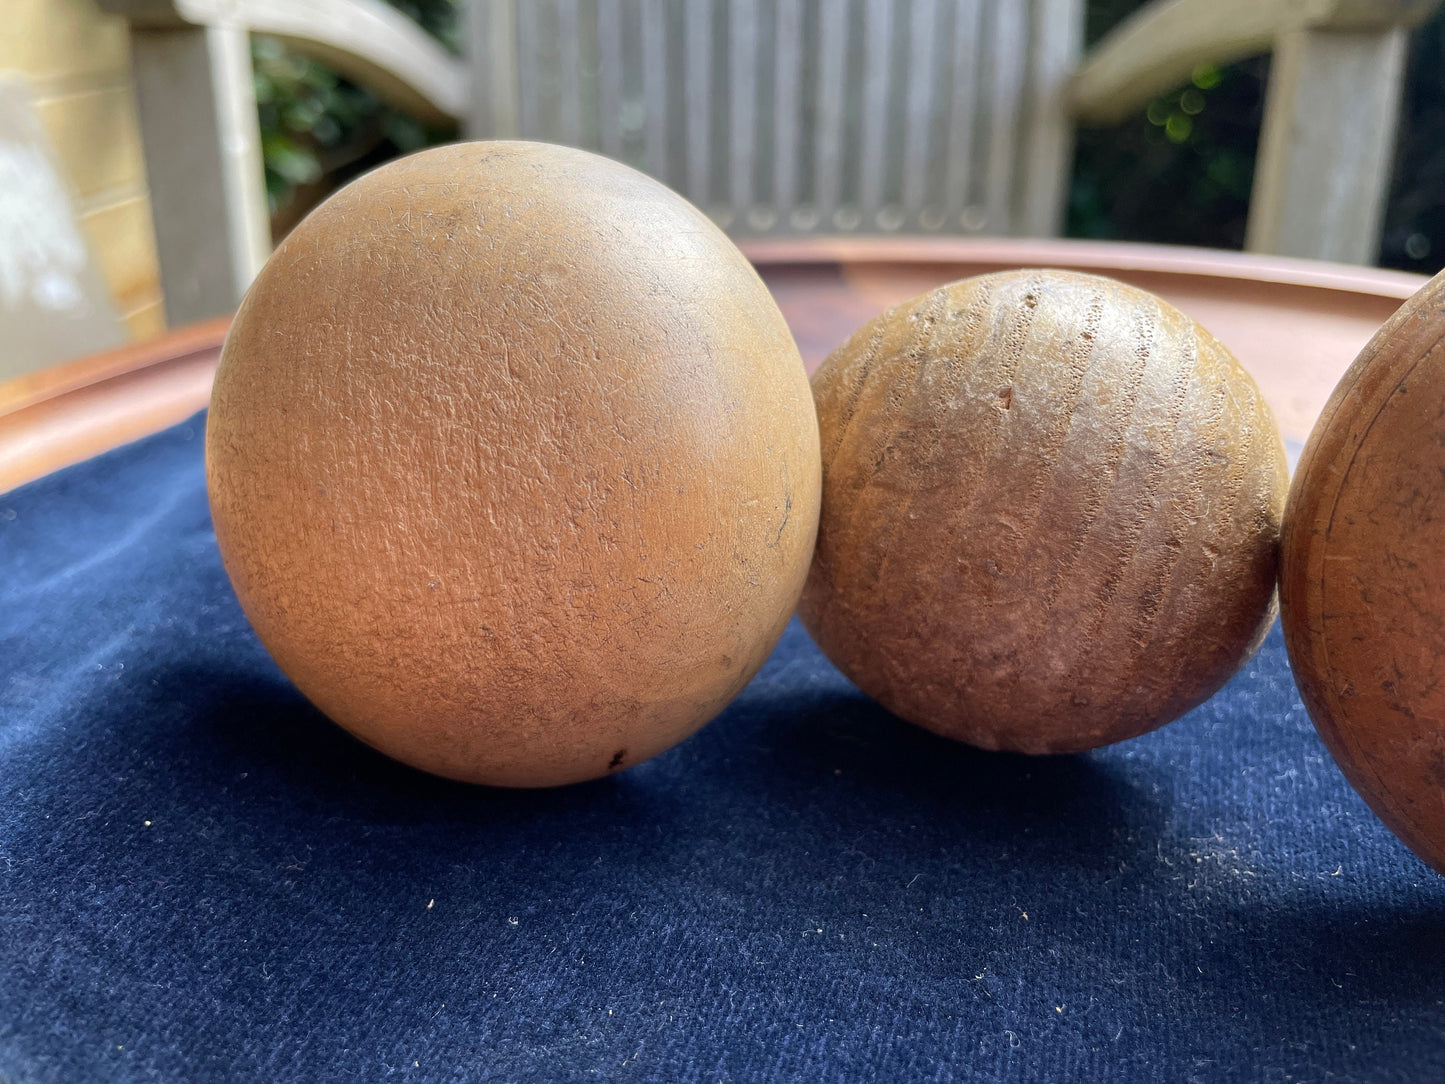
787, 511
616, 761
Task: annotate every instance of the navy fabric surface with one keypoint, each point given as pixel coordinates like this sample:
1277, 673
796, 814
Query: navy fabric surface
203, 879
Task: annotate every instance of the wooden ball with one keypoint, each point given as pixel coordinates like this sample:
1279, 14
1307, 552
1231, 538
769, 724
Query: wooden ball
1051, 510
513, 463
1362, 580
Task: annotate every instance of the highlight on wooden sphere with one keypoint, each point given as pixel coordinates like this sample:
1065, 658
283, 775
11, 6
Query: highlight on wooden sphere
1051, 512
513, 463
1362, 580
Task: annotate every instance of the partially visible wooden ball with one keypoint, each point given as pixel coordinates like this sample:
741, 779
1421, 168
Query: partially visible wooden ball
1051, 512
513, 463
1362, 575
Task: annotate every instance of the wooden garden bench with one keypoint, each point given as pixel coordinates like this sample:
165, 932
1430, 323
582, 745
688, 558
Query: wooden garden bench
784, 116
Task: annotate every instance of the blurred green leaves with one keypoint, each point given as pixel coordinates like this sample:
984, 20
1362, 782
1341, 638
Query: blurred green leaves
304, 109
1181, 173
1176, 112
439, 18
315, 124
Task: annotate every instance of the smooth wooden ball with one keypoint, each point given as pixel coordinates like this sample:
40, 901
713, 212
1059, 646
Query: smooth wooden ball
513, 463
1051, 511
1362, 579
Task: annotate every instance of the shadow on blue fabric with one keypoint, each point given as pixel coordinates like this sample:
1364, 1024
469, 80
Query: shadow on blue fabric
201, 878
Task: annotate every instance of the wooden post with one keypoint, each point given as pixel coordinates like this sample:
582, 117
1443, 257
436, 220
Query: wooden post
203, 160
1326, 149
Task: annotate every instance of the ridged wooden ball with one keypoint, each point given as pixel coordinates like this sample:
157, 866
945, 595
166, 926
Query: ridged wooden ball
513, 463
1362, 576
1051, 512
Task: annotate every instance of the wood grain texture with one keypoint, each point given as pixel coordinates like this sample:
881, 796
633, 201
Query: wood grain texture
1295, 324
1362, 586
1327, 146
1051, 511
513, 463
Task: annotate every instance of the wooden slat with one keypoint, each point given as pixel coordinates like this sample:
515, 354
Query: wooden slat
476, 34
203, 157
962, 109
1057, 29
919, 114
697, 90
877, 85
529, 70
832, 81
654, 88
742, 99
365, 40
96, 136
243, 177
491, 29
1156, 49
787, 106
569, 44
609, 76
634, 109
1007, 50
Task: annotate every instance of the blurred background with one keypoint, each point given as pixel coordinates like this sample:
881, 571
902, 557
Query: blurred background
131, 174
1191, 151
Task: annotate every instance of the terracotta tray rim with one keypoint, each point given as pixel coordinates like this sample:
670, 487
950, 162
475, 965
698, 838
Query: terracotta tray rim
1102, 256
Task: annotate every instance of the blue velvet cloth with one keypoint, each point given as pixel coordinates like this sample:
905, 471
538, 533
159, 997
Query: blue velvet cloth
203, 879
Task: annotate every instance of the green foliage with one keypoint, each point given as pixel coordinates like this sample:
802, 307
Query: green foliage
315, 124
439, 18
1182, 173
1414, 235
1179, 174
303, 109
